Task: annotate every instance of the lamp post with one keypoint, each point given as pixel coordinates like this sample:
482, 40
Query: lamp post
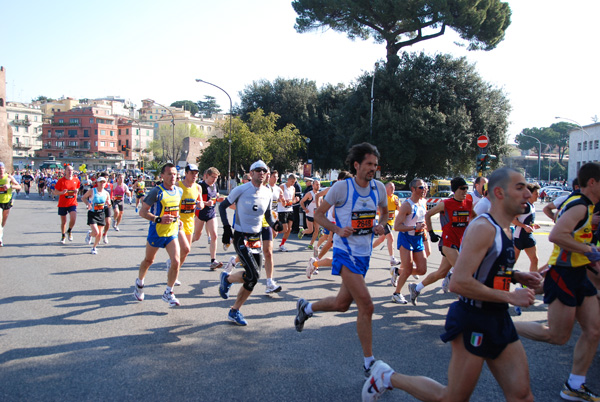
372, 98
230, 130
173, 122
582, 129
539, 155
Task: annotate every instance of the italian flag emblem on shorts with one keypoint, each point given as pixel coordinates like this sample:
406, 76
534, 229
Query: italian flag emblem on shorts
476, 339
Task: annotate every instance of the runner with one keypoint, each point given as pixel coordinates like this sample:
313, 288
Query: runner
567, 290
356, 201
478, 324
285, 209
410, 225
120, 190
268, 234
107, 208
139, 187
18, 178
26, 180
7, 185
393, 206
191, 199
41, 184
253, 201
66, 189
161, 208
478, 189
95, 200
524, 227
206, 216
309, 204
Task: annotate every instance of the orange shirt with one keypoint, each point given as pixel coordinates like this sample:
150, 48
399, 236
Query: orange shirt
70, 198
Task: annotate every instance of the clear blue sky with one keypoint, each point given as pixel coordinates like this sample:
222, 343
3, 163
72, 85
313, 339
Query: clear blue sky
155, 49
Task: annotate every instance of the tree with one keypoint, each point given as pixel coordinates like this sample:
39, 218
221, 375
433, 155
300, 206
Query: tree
525, 142
43, 99
162, 147
208, 107
256, 139
186, 105
428, 116
562, 130
403, 23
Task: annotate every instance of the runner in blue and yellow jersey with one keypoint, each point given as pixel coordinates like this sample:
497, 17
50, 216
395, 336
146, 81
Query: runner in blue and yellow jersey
161, 208
7, 185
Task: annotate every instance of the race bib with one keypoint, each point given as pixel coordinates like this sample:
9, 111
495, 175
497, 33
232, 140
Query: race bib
173, 211
98, 207
362, 222
3, 189
460, 219
70, 194
188, 207
502, 280
253, 242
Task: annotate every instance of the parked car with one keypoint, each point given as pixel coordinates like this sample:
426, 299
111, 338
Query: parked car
402, 195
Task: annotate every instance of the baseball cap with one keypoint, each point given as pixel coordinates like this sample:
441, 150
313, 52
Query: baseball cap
308, 179
259, 164
191, 167
101, 178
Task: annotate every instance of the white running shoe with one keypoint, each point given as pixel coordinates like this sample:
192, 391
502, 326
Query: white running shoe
310, 268
70, 236
394, 273
63, 240
394, 261
398, 298
373, 387
114, 225
88, 237
105, 239
416, 277
116, 228
177, 282
446, 283
215, 265
273, 288
138, 292
171, 299
283, 248
94, 251
230, 266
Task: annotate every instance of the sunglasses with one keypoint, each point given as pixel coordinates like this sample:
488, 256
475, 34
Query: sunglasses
464, 188
261, 170
421, 187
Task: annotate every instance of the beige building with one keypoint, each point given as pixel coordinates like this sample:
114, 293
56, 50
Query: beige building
60, 105
26, 122
5, 130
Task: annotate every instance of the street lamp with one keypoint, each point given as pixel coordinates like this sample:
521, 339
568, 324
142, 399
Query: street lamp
582, 129
539, 155
230, 130
372, 98
172, 121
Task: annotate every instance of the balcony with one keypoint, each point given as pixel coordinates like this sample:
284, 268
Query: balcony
19, 145
22, 122
55, 124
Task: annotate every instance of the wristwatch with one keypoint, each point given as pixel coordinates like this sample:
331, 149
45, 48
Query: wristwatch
157, 219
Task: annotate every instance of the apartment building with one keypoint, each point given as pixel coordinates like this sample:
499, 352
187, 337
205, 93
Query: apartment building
26, 123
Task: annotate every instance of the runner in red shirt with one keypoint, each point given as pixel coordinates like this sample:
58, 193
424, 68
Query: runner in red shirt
66, 188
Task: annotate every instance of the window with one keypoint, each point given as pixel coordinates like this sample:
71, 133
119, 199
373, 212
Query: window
578, 165
95, 143
112, 133
61, 121
34, 118
126, 131
102, 132
96, 132
585, 145
92, 120
72, 133
86, 144
16, 116
74, 121
112, 144
579, 146
60, 144
86, 133
73, 143
102, 143
596, 144
119, 132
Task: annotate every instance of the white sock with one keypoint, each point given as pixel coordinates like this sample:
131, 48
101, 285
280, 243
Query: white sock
139, 282
308, 309
169, 289
420, 286
368, 361
575, 381
387, 379
269, 281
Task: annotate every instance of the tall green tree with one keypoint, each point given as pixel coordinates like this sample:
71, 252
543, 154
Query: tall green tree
187, 105
208, 106
561, 141
403, 23
427, 117
162, 147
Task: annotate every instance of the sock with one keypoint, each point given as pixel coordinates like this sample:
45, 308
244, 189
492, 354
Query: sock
576, 381
368, 361
269, 281
420, 286
169, 289
212, 260
308, 309
387, 379
139, 283
69, 230
282, 242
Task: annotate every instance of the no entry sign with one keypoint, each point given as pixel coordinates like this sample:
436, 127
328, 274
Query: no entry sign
482, 141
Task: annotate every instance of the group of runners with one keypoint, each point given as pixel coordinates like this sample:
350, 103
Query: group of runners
477, 243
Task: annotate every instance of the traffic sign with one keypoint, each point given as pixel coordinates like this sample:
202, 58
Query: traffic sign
482, 141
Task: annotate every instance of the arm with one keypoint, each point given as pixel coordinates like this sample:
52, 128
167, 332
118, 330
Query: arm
322, 220
549, 210
86, 199
561, 233
223, 211
14, 184
399, 225
303, 200
476, 243
199, 201
435, 210
525, 227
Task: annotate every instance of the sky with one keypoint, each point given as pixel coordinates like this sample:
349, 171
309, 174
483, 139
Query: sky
156, 49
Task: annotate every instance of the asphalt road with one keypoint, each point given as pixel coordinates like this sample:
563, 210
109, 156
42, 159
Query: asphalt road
70, 328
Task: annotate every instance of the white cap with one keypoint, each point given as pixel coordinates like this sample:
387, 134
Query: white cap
259, 164
101, 178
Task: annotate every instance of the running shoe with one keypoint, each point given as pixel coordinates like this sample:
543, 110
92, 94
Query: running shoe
301, 233
116, 228
273, 287
136, 210
310, 268
283, 248
94, 251
105, 239
394, 273
237, 317
88, 237
224, 286
394, 261
138, 292
209, 240
171, 299
230, 266
301, 315
373, 387
114, 225
215, 265
168, 264
398, 298
177, 282
310, 247
63, 239
1, 244
446, 283
412, 288
70, 236
518, 310
416, 277
368, 370
583, 393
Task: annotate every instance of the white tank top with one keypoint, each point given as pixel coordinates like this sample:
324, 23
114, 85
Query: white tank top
417, 214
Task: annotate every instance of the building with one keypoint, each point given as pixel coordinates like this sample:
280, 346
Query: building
116, 105
26, 122
584, 144
134, 138
5, 129
83, 133
60, 105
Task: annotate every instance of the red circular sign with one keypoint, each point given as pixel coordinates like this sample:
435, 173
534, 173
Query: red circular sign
482, 141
